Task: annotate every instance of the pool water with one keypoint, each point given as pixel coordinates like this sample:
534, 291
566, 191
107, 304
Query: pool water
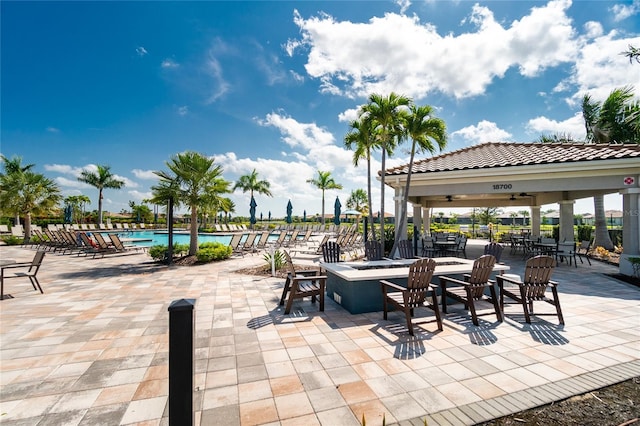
155, 238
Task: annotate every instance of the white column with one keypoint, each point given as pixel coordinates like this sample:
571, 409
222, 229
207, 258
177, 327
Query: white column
535, 221
427, 220
398, 211
566, 220
630, 228
417, 217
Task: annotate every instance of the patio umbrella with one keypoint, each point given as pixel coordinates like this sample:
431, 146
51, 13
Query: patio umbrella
260, 216
336, 211
304, 216
68, 213
289, 211
252, 211
269, 215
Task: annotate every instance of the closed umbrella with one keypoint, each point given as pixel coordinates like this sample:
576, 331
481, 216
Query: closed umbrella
289, 211
336, 211
68, 214
252, 211
304, 216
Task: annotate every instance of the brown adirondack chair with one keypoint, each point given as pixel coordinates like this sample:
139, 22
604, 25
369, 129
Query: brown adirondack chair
533, 287
300, 284
418, 289
472, 289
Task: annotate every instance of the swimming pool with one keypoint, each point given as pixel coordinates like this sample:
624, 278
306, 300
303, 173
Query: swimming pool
155, 238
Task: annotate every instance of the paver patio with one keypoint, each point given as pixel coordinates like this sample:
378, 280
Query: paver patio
94, 349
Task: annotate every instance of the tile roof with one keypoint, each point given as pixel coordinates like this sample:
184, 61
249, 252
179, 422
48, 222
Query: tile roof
506, 154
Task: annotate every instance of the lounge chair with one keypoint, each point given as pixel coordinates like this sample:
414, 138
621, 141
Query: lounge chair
415, 294
91, 247
120, 246
582, 249
262, 242
472, 289
302, 284
235, 244
249, 243
533, 287
21, 270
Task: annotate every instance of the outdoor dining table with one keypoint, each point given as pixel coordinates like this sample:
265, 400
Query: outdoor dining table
547, 248
444, 246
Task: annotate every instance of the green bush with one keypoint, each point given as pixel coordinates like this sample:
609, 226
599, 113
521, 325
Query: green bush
278, 259
159, 252
584, 232
210, 251
12, 240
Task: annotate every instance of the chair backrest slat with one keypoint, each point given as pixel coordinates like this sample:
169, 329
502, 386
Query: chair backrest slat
420, 274
482, 268
373, 250
331, 252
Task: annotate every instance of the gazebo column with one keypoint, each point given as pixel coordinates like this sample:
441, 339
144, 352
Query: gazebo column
417, 217
398, 211
427, 220
566, 220
630, 228
535, 221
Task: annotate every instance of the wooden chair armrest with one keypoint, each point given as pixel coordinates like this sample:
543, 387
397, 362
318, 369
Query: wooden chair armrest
508, 279
309, 278
554, 283
309, 273
394, 286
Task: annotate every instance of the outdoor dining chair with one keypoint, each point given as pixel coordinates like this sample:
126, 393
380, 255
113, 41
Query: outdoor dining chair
331, 252
300, 284
373, 250
22, 270
533, 287
495, 250
472, 289
417, 293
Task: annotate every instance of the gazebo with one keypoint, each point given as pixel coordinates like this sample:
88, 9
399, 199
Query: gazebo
505, 174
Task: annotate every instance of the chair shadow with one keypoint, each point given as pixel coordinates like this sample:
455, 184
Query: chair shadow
481, 334
405, 346
277, 316
540, 330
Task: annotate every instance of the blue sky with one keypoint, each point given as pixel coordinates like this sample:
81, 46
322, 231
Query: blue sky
272, 85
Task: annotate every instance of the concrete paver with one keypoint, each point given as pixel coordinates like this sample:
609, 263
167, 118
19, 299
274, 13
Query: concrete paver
93, 349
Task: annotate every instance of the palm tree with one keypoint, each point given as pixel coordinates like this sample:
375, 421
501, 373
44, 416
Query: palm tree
361, 138
102, 178
426, 132
358, 201
13, 166
386, 113
77, 203
194, 180
251, 183
323, 182
525, 215
28, 193
633, 54
608, 123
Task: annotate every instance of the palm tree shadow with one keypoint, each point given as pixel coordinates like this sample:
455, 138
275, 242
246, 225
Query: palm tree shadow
106, 271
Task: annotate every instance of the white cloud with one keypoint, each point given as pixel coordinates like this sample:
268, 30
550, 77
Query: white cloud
144, 174
141, 51
296, 77
169, 63
355, 59
139, 196
295, 134
484, 131
349, 115
53, 129
573, 127
183, 110
64, 169
624, 11
71, 183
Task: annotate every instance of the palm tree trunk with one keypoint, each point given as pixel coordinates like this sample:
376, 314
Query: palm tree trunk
193, 243
27, 227
100, 207
381, 217
602, 234
322, 219
405, 198
370, 198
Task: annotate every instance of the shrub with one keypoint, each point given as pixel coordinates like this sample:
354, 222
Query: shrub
211, 251
12, 240
159, 252
584, 232
278, 260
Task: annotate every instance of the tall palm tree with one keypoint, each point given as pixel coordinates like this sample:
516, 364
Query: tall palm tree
359, 201
13, 166
252, 184
323, 182
426, 133
385, 111
608, 122
28, 193
102, 178
195, 180
362, 139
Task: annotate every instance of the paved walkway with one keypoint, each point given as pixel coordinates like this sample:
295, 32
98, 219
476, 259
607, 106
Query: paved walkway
93, 349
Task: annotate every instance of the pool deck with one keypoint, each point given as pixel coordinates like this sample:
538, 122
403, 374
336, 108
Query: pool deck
93, 349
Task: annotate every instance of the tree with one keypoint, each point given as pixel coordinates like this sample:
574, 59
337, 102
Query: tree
386, 113
251, 183
426, 132
27, 194
358, 200
633, 54
194, 180
609, 122
13, 166
102, 178
489, 215
525, 215
140, 212
323, 182
77, 203
362, 139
